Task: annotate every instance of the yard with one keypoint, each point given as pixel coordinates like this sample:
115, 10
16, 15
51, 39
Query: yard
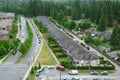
45, 57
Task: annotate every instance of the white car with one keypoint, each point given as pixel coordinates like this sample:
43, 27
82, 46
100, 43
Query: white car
51, 67
73, 72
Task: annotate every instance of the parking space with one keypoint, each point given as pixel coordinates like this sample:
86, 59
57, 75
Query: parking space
54, 74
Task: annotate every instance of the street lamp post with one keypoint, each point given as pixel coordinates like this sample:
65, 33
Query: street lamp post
60, 75
20, 77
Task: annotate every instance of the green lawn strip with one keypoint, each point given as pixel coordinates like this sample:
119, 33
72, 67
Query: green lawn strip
45, 56
31, 77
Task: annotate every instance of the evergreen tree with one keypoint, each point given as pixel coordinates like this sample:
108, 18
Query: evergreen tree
75, 14
115, 38
103, 20
53, 13
60, 15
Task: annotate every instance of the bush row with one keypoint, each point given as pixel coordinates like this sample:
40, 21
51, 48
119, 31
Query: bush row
43, 29
63, 59
27, 44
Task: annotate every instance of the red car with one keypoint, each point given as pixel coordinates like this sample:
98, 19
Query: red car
61, 68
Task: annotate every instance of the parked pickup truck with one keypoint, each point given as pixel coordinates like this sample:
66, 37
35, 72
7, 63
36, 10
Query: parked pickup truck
73, 72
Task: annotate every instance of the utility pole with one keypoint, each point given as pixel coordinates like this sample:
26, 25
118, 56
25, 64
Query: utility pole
60, 75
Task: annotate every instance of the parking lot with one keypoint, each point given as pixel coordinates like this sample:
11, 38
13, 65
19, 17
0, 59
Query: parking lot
54, 74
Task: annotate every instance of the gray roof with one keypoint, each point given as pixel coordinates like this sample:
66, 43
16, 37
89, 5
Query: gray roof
6, 15
5, 23
76, 51
3, 33
106, 33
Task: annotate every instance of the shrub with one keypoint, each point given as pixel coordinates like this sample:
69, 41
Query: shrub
26, 45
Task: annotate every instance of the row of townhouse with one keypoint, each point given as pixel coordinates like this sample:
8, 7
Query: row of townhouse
6, 20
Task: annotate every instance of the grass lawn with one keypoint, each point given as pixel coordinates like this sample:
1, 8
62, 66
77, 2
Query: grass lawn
45, 57
20, 58
107, 46
32, 76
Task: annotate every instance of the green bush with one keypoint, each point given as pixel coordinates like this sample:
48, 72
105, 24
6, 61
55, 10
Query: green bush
26, 45
43, 29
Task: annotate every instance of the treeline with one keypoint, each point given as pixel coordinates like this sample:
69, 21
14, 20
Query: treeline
27, 44
102, 12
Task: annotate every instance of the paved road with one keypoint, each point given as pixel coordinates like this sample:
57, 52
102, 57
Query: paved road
34, 47
24, 33
12, 71
13, 58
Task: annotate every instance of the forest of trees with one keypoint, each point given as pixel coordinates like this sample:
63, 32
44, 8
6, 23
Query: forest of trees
98, 11
104, 13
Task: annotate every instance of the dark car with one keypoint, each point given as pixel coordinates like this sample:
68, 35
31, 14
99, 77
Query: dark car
41, 69
15, 52
39, 42
61, 68
104, 73
37, 74
94, 73
95, 79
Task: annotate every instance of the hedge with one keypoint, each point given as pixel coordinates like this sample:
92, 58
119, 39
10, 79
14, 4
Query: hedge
27, 44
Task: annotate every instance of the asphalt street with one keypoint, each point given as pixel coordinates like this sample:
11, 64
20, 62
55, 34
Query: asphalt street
13, 58
11, 71
24, 33
34, 47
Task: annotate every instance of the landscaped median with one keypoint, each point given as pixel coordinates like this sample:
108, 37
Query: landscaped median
45, 56
24, 47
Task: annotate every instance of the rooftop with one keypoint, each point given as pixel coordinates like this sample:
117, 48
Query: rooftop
76, 51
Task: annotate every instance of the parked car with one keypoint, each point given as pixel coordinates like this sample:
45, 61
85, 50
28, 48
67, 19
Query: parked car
95, 79
73, 72
77, 78
51, 67
64, 79
41, 69
37, 74
94, 73
104, 73
61, 68
15, 52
